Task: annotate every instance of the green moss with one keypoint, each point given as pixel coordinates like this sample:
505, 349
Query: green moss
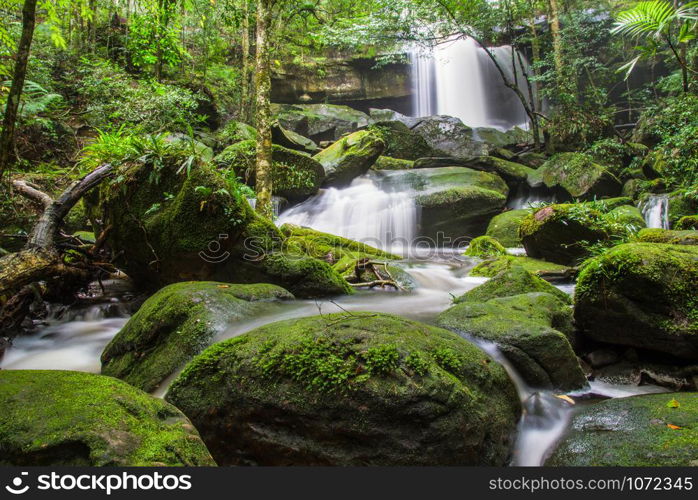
632, 432
579, 175
69, 418
532, 330
401, 142
492, 267
485, 246
513, 280
513, 173
687, 222
656, 235
359, 374
350, 157
233, 132
681, 204
388, 163
177, 323
305, 276
505, 227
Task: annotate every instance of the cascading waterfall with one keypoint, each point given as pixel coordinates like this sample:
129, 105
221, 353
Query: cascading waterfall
459, 79
656, 211
363, 212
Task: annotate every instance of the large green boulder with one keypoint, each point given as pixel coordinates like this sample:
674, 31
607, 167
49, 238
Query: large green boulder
513, 173
168, 226
505, 227
55, 418
350, 157
643, 295
295, 176
176, 324
527, 329
448, 136
292, 140
652, 430
687, 222
388, 163
511, 281
657, 235
485, 246
493, 266
563, 233
578, 175
349, 389
400, 141
320, 122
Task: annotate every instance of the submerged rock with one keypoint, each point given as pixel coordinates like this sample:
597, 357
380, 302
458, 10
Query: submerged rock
52, 417
349, 389
641, 431
530, 330
176, 324
505, 227
578, 175
641, 295
350, 157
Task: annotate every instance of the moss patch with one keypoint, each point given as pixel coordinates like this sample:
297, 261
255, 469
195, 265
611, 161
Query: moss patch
350, 157
485, 246
492, 267
579, 175
505, 227
656, 235
401, 142
511, 281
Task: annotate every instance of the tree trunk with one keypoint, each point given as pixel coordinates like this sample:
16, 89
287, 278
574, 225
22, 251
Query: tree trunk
7, 138
263, 178
246, 69
557, 40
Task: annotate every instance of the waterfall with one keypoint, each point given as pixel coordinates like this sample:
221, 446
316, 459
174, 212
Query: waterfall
363, 211
656, 211
459, 79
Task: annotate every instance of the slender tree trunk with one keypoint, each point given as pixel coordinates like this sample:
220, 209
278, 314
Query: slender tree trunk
557, 39
7, 138
535, 51
263, 178
246, 69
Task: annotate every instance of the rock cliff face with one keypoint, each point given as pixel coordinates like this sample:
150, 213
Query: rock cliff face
344, 80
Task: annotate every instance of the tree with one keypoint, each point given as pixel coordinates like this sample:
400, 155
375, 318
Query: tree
18, 76
660, 24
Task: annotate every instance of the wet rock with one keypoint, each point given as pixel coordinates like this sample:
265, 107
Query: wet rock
400, 141
485, 246
513, 173
512, 281
602, 357
505, 227
578, 175
349, 389
493, 266
350, 157
176, 324
656, 235
450, 137
388, 163
52, 418
647, 430
320, 122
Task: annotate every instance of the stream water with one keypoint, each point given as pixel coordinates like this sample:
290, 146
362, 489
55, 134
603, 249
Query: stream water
656, 211
366, 211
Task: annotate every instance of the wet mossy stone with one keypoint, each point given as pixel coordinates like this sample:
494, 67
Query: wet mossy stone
52, 417
492, 267
656, 235
400, 141
349, 389
485, 246
292, 140
578, 175
643, 295
328, 247
687, 222
176, 324
513, 173
681, 203
531, 330
641, 431
295, 175
505, 227
511, 281
320, 122
234, 131
350, 157
387, 163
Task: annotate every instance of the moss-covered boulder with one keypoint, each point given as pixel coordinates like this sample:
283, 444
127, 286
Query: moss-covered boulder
578, 175
350, 157
349, 389
494, 266
485, 246
400, 141
168, 227
681, 204
449, 136
642, 431
513, 173
292, 140
52, 418
320, 122
388, 163
642, 295
657, 235
176, 324
295, 175
234, 131
511, 281
527, 329
562, 233
505, 227
687, 222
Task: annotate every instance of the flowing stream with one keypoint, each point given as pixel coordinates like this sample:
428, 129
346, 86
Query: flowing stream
656, 211
367, 211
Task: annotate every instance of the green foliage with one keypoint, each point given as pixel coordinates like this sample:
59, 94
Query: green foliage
381, 360
149, 39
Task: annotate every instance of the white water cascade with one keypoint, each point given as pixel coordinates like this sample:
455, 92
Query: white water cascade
363, 212
458, 78
656, 211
